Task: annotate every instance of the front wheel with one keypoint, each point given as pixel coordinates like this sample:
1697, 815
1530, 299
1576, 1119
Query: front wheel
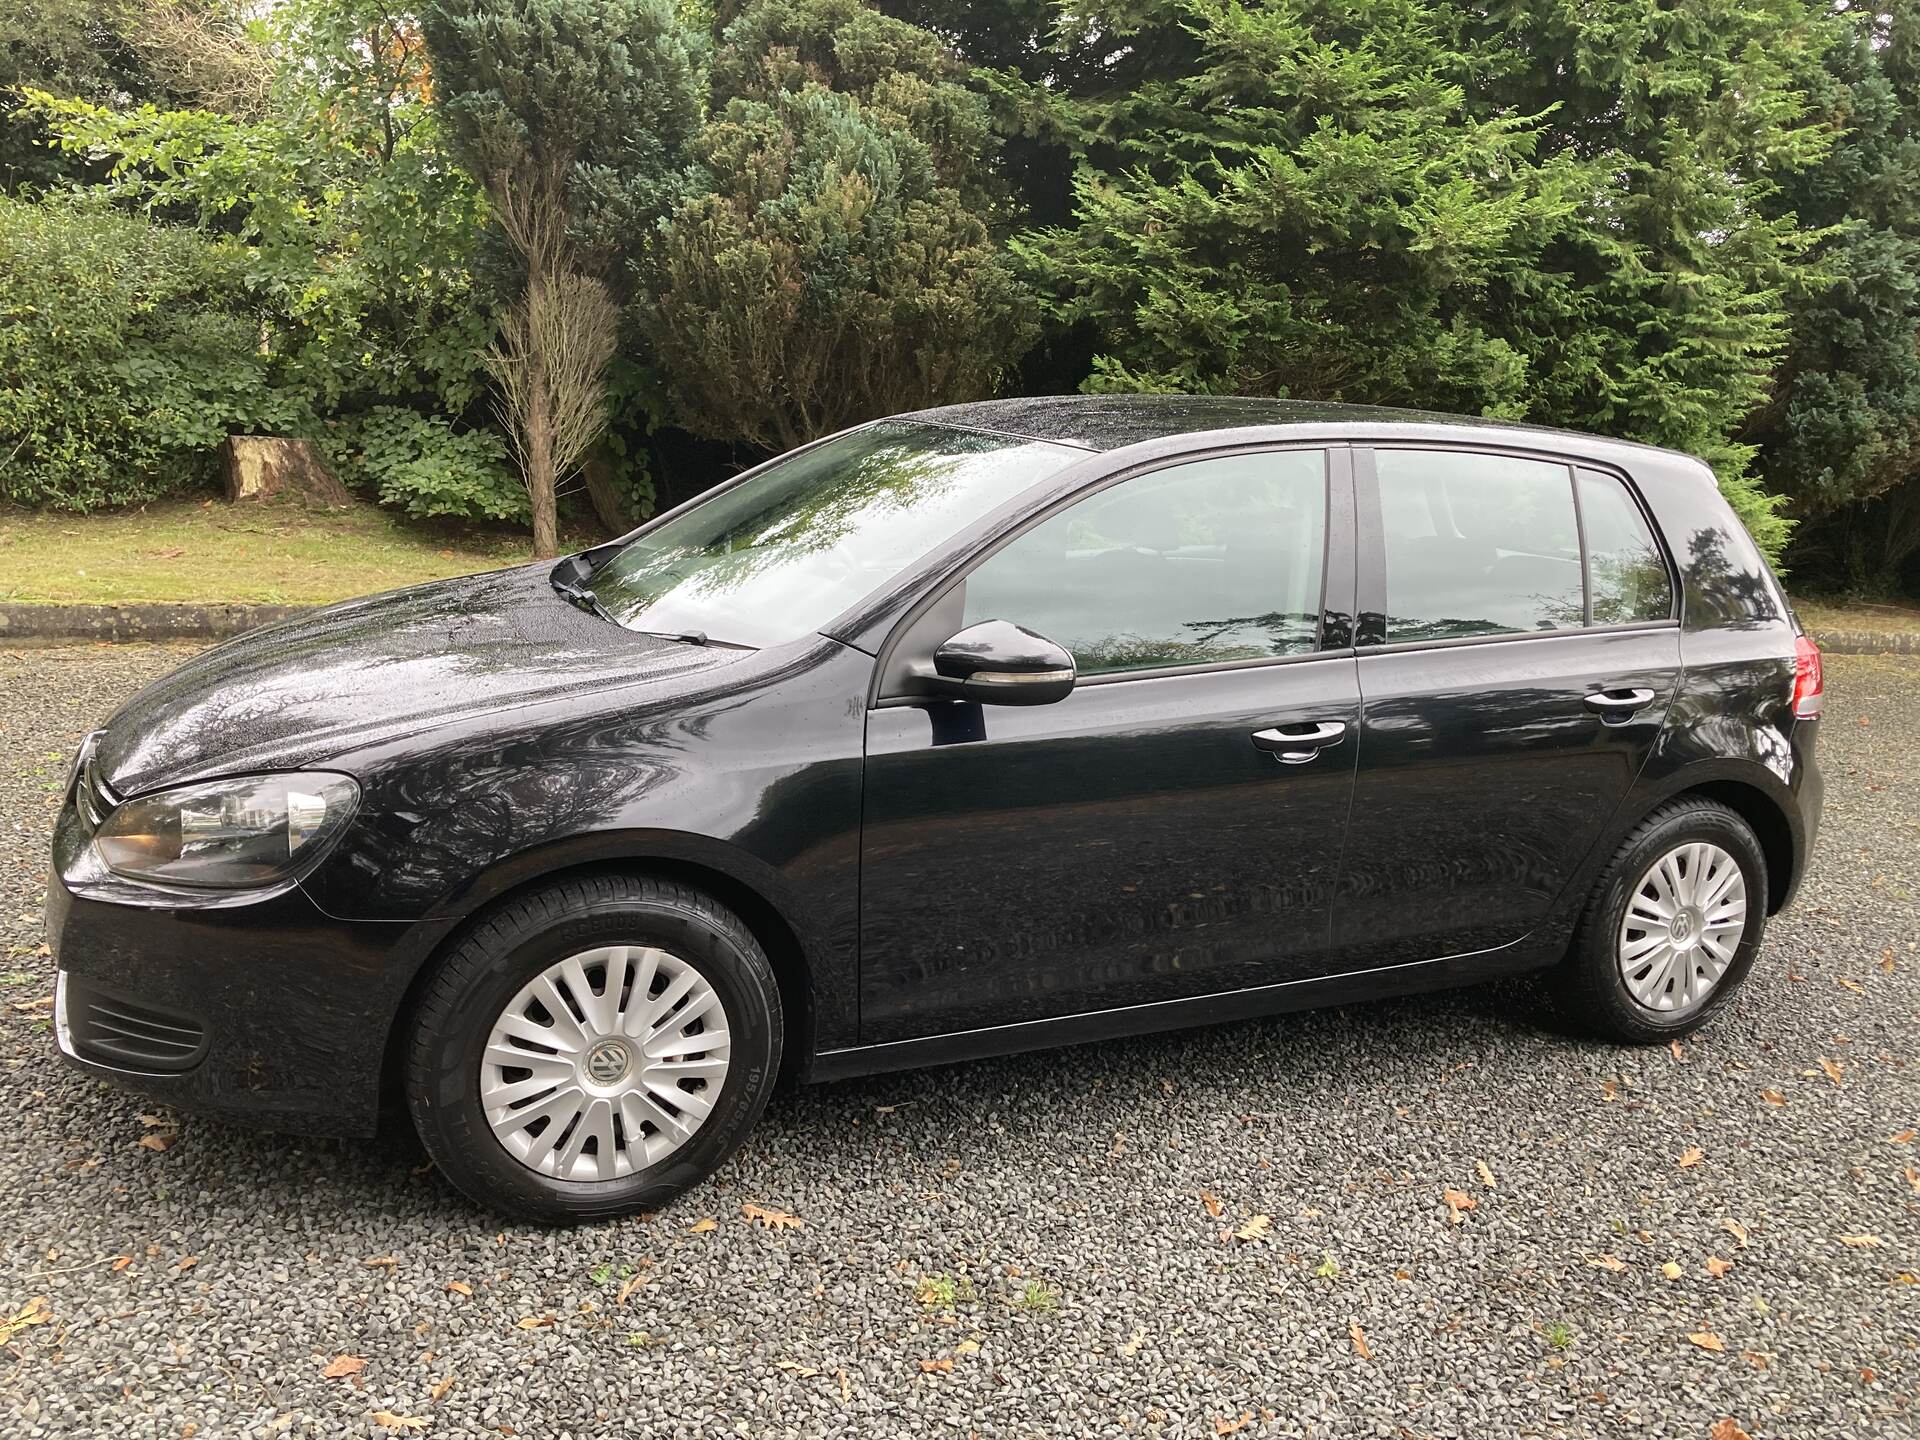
594, 1048
1671, 928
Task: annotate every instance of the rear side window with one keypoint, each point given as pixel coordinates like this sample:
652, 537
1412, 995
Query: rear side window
1212, 561
1628, 578
1477, 545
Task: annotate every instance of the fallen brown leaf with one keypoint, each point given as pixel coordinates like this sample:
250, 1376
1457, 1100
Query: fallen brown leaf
1693, 1156
1674, 1047
1255, 1229
342, 1366
703, 1227
121, 1262
1735, 1229
1609, 1262
158, 1143
1833, 1068
1671, 1269
535, 1322
1486, 1173
1904, 1137
1359, 1338
1717, 1267
187, 1262
772, 1219
1210, 1202
381, 1262
1773, 1097
1727, 1428
1913, 1178
1231, 1426
942, 1366
35, 1312
440, 1389
459, 1287
387, 1420
1458, 1203
1861, 1242
633, 1282
1707, 1340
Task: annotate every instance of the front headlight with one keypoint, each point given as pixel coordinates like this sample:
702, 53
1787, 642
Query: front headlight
228, 834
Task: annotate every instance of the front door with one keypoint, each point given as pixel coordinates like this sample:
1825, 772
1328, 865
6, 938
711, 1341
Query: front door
1170, 829
1519, 650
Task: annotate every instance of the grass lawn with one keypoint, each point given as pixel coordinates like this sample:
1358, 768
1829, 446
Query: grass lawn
273, 552
1891, 617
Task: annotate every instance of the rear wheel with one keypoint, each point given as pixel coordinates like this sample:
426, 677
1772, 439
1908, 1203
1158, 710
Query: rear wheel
594, 1048
1671, 928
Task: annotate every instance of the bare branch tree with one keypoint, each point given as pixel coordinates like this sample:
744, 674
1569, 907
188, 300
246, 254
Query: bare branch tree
555, 343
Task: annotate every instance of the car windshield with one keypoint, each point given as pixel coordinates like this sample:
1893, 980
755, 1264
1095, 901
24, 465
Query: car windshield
783, 553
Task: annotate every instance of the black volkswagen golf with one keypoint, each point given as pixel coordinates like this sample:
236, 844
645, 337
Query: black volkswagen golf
998, 726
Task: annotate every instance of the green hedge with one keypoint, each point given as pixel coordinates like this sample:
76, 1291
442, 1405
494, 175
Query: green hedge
127, 352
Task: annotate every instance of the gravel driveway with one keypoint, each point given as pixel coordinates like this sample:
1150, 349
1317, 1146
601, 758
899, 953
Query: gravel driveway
1639, 1242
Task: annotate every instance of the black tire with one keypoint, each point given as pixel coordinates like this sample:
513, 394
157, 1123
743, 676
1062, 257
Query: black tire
474, 981
1588, 987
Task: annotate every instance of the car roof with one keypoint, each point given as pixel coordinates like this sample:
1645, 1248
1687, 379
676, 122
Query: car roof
1110, 422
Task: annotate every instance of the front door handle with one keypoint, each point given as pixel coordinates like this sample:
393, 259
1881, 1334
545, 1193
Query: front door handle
1297, 744
1618, 704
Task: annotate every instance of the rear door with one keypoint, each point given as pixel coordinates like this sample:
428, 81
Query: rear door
1518, 651
1170, 829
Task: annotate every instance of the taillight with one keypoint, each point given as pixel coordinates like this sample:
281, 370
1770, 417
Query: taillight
1809, 679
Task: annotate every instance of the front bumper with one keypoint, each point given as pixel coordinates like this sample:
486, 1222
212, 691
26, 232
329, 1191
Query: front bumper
272, 1012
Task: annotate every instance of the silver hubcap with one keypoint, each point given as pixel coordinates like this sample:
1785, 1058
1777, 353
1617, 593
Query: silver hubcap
605, 1063
1683, 927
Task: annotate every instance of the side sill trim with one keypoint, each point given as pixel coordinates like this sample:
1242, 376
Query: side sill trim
1311, 993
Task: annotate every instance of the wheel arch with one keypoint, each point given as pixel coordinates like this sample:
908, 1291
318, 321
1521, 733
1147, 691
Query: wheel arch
1762, 801
1768, 821
770, 925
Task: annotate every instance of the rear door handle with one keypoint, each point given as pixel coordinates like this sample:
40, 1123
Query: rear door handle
1618, 704
1297, 744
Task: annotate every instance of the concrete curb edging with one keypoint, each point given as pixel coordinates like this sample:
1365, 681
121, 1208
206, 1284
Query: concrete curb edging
54, 624
1867, 642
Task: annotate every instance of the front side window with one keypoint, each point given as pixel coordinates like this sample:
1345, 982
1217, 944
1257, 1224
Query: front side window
1215, 560
783, 553
1477, 545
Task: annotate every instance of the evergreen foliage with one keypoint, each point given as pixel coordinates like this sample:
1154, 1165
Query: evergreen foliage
837, 262
1693, 222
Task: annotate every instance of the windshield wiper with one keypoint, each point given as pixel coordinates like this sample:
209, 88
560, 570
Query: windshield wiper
582, 598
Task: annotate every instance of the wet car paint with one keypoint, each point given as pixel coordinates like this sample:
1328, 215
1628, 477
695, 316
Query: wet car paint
936, 878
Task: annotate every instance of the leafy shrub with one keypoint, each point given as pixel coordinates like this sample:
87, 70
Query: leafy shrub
127, 353
422, 465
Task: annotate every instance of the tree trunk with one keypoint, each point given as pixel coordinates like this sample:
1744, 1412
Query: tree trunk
540, 476
608, 503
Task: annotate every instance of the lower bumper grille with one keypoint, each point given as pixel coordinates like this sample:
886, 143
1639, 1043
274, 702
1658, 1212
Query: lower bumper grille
110, 1030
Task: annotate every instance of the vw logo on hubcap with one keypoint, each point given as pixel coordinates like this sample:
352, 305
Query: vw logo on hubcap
606, 1062
1682, 927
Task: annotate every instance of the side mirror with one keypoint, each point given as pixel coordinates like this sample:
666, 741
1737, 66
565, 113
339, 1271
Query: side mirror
999, 663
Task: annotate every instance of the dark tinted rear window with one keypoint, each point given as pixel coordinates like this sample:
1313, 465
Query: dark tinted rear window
1477, 545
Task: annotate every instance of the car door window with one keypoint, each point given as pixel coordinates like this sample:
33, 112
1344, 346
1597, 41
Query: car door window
1625, 571
1477, 545
1215, 560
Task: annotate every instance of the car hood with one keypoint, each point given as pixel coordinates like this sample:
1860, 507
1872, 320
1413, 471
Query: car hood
298, 693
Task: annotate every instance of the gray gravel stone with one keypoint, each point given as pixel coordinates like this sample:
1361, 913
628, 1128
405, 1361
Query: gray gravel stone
1062, 1196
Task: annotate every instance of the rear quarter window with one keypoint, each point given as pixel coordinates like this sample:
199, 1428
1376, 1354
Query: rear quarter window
1625, 570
